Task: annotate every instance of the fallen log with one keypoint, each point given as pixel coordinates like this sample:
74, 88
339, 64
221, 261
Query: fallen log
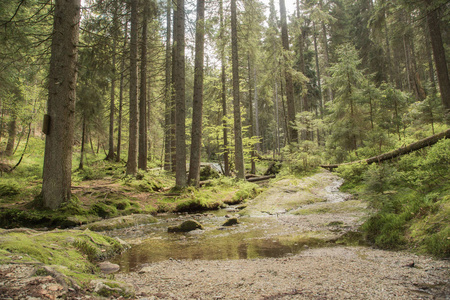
426, 142
260, 178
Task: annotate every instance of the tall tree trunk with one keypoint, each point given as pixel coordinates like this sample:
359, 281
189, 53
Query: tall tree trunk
110, 155
439, 57
292, 131
133, 127
391, 75
238, 147
223, 93
257, 131
277, 117
83, 142
121, 87
12, 124
197, 115
180, 105
319, 84
252, 121
173, 98
143, 150
168, 93
62, 78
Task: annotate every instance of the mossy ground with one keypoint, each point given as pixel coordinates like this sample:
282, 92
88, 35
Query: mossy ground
101, 190
72, 253
410, 198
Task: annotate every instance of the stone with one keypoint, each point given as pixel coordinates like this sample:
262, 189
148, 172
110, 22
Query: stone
231, 222
186, 226
108, 268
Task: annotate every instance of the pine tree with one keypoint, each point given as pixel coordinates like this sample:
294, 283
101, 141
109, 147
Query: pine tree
56, 185
197, 117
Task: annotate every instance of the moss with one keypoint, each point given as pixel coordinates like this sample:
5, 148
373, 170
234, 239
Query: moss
121, 222
103, 210
186, 226
231, 222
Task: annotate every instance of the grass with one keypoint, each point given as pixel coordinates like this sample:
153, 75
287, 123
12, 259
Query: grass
411, 200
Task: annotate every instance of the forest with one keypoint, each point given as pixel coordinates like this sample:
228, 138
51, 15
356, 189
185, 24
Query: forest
105, 101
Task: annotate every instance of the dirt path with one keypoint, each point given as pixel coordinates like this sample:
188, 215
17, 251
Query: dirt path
311, 207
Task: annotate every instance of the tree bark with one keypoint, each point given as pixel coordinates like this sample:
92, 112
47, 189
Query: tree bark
12, 124
83, 142
168, 94
197, 115
56, 185
180, 102
133, 126
143, 146
252, 121
110, 155
439, 57
224, 94
292, 131
238, 147
121, 87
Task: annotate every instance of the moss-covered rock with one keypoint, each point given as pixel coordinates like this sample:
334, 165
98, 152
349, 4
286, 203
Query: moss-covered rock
110, 288
231, 222
120, 222
186, 226
72, 253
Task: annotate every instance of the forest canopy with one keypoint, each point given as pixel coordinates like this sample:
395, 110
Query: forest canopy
169, 83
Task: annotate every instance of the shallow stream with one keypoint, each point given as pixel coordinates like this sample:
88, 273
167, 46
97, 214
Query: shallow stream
263, 235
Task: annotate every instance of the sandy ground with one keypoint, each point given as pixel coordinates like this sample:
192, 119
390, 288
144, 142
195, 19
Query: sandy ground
326, 273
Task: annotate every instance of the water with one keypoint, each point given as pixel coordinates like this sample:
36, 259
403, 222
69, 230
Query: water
257, 236
252, 238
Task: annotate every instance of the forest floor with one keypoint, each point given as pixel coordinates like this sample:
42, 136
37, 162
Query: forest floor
312, 208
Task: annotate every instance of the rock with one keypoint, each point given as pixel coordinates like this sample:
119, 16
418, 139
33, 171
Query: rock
108, 268
231, 222
186, 226
120, 222
107, 288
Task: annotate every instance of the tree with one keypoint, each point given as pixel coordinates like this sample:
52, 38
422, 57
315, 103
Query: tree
56, 185
346, 80
142, 156
168, 93
133, 126
238, 147
292, 131
439, 55
223, 94
112, 109
180, 94
196, 135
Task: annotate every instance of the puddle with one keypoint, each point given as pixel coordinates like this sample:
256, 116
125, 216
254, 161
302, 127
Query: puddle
239, 242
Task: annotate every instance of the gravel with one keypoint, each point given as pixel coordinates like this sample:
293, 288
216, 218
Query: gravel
325, 273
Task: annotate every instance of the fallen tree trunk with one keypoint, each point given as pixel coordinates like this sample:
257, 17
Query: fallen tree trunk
259, 178
426, 142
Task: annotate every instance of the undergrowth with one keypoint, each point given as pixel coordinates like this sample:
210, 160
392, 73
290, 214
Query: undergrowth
411, 198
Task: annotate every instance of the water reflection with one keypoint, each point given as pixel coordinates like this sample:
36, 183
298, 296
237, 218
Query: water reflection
211, 246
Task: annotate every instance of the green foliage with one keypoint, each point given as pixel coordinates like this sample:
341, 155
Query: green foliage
352, 174
411, 198
74, 251
9, 189
208, 173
